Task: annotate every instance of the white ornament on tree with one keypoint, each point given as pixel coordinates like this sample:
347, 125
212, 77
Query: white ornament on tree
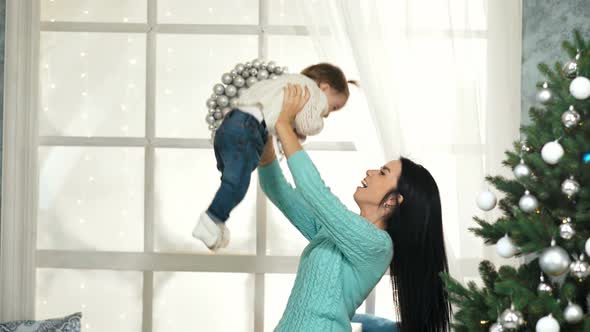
528, 203
587, 247
580, 88
547, 324
552, 152
505, 247
573, 313
486, 200
554, 260
544, 95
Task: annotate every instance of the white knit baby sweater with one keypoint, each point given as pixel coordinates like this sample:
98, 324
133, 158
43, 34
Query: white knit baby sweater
268, 96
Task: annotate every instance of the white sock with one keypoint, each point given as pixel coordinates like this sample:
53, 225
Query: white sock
208, 231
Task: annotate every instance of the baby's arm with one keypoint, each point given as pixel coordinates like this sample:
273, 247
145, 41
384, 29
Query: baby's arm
309, 121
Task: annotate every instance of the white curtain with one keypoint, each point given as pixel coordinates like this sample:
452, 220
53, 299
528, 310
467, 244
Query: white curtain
442, 86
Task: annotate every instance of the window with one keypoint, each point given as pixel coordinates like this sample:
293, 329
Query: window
126, 165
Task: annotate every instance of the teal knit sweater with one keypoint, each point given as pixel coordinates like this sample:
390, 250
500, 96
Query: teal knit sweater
345, 258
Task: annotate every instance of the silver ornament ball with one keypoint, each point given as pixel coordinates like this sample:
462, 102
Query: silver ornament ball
217, 115
521, 170
278, 70
544, 288
579, 268
567, 231
528, 203
271, 66
248, 65
251, 81
211, 103
554, 261
222, 101
573, 313
211, 111
239, 82
570, 187
570, 118
241, 91
496, 327
262, 75
210, 119
256, 64
218, 89
239, 68
233, 102
570, 69
226, 78
246, 73
511, 318
231, 90
212, 127
253, 72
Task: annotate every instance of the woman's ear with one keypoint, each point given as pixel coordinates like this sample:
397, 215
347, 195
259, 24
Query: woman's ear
400, 199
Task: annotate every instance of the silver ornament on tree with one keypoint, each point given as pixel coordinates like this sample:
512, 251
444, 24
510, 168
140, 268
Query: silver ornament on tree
486, 200
547, 324
570, 69
543, 286
554, 260
496, 327
570, 187
552, 152
544, 95
521, 170
511, 318
580, 88
528, 203
570, 118
580, 268
566, 229
573, 313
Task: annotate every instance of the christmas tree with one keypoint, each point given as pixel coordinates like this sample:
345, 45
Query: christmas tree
545, 216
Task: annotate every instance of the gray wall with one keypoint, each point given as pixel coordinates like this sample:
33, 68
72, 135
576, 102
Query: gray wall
546, 23
2, 23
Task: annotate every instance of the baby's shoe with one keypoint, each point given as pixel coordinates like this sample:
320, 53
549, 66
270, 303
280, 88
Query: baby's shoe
224, 235
209, 232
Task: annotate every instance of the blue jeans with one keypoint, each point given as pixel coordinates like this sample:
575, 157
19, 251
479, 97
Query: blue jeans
238, 146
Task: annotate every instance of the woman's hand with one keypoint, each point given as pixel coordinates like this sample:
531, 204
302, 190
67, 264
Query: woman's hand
293, 102
295, 97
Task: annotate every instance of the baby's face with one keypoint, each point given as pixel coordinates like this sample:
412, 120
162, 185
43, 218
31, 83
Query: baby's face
336, 100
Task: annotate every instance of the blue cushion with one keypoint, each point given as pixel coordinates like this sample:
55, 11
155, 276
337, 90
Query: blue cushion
69, 323
375, 324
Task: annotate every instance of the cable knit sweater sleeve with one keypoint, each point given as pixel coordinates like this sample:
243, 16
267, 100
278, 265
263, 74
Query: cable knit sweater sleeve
359, 240
286, 199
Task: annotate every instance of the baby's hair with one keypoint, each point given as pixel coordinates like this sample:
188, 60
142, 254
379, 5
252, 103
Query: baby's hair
328, 73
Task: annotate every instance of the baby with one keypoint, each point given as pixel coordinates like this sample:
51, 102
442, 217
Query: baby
240, 139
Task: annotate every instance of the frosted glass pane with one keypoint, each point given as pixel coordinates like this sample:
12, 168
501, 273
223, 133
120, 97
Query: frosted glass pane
285, 12
108, 300
92, 84
295, 52
276, 294
208, 11
186, 181
188, 67
212, 302
384, 299
119, 11
90, 198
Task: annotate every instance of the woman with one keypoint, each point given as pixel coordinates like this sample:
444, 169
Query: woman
348, 253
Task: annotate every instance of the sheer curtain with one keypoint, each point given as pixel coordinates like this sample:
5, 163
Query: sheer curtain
442, 85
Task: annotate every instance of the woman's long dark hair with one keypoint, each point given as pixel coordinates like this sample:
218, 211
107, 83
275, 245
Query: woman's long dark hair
415, 226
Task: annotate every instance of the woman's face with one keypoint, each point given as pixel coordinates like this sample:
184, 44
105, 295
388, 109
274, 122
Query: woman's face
378, 183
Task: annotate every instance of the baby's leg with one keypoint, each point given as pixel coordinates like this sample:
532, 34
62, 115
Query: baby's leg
239, 144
